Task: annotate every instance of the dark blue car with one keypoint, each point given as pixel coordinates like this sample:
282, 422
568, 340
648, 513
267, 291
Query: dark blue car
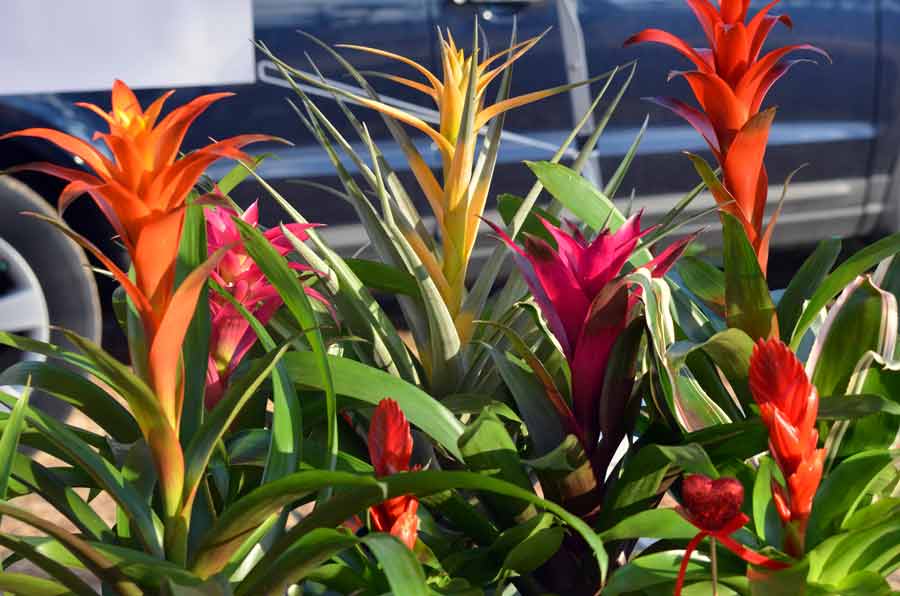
840, 118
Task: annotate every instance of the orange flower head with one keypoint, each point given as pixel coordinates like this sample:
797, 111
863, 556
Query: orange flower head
789, 405
730, 81
390, 449
141, 189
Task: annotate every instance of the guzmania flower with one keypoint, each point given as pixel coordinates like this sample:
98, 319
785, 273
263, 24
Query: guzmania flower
142, 192
236, 273
586, 308
459, 200
731, 80
390, 449
789, 405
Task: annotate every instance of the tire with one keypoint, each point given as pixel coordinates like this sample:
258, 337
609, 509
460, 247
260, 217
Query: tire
41, 271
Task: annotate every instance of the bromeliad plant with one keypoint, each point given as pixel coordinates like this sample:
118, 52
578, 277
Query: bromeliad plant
274, 432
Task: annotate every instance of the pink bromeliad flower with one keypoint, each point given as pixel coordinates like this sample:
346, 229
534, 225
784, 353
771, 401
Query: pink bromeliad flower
231, 335
580, 293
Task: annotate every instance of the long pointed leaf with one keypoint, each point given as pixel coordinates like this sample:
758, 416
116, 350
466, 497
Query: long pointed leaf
295, 299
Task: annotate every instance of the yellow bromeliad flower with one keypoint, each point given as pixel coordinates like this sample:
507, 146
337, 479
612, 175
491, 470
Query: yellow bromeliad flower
459, 199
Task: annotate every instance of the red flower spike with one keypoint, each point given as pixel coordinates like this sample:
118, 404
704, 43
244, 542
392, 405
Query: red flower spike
390, 449
586, 308
789, 405
730, 82
714, 508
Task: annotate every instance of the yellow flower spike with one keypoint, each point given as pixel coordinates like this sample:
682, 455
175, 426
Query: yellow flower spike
460, 100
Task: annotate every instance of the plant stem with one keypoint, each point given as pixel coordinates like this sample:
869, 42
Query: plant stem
715, 567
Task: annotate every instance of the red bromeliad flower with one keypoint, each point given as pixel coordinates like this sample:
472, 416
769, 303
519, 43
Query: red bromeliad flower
231, 335
730, 82
390, 448
142, 192
789, 404
714, 508
574, 286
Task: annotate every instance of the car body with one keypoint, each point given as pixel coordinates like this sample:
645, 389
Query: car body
840, 118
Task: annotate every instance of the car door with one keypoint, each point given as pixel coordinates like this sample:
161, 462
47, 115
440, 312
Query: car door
825, 115
400, 26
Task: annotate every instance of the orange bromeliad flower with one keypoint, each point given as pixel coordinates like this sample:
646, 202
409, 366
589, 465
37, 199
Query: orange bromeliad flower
142, 192
390, 448
789, 404
730, 82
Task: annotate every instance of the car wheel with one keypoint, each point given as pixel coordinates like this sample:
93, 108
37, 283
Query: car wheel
45, 280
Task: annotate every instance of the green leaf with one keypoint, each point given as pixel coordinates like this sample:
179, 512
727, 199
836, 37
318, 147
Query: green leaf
404, 574
807, 279
238, 174
192, 253
147, 571
384, 278
835, 283
535, 550
285, 442
859, 322
102, 471
734, 441
508, 206
615, 181
74, 389
293, 565
653, 523
705, 281
9, 441
59, 492
200, 449
655, 574
644, 474
94, 561
20, 583
873, 515
542, 421
730, 350
486, 447
843, 491
687, 404
73, 583
875, 549
848, 407
784, 582
247, 513
371, 385
861, 583
766, 522
579, 196
285, 281
748, 305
